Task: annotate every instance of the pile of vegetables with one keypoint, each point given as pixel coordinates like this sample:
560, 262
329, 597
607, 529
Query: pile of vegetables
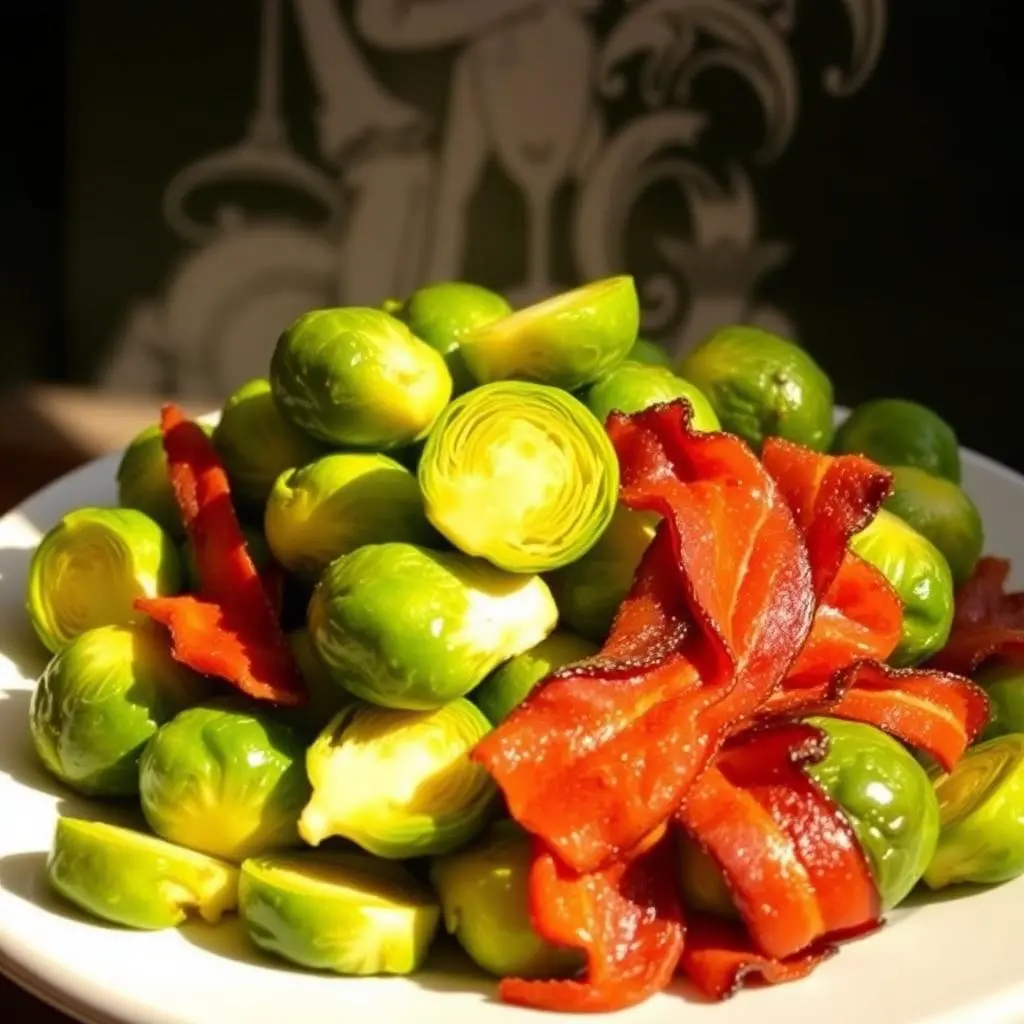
489, 621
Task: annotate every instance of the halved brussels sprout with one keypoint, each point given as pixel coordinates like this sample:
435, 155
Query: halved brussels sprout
137, 880
225, 779
650, 353
405, 627
1004, 684
589, 591
631, 387
325, 697
981, 803
941, 511
898, 432
257, 444
520, 474
99, 701
441, 314
143, 483
339, 503
888, 798
255, 544
763, 386
567, 341
341, 912
510, 684
358, 377
418, 793
484, 898
88, 570
920, 575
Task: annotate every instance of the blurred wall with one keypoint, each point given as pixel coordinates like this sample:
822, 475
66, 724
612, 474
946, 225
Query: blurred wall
841, 171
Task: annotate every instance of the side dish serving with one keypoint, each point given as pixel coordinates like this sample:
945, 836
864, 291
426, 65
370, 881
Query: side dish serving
490, 622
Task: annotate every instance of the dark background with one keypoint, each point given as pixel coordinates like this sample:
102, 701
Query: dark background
902, 202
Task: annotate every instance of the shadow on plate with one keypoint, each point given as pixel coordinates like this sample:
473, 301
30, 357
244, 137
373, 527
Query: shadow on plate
924, 897
229, 940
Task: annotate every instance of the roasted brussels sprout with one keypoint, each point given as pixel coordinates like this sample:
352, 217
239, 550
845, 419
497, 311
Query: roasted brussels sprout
143, 483
941, 511
898, 432
484, 899
257, 444
99, 701
341, 912
441, 314
1004, 684
339, 503
920, 574
405, 627
88, 570
325, 697
508, 686
520, 474
135, 880
763, 386
981, 803
358, 377
567, 341
631, 387
589, 591
225, 779
419, 794
650, 353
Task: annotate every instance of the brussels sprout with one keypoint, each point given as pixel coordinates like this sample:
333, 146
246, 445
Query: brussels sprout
898, 432
339, 503
441, 314
941, 511
483, 890
88, 570
588, 592
701, 882
136, 880
888, 798
405, 627
341, 912
255, 543
568, 341
143, 483
631, 387
358, 377
418, 793
520, 474
920, 575
225, 779
650, 353
508, 686
257, 444
325, 697
1004, 684
763, 386
99, 701
981, 803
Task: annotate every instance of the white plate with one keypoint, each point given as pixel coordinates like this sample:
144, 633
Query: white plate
952, 960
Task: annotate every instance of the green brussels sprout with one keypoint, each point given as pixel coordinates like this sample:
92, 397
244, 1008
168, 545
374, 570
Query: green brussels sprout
341, 912
631, 387
898, 432
510, 684
521, 474
358, 377
920, 574
568, 341
941, 511
255, 543
1004, 684
338, 503
418, 793
981, 803
588, 592
484, 899
701, 883
888, 799
325, 697
99, 701
405, 627
143, 482
225, 779
441, 314
650, 353
763, 386
88, 570
135, 880
257, 444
